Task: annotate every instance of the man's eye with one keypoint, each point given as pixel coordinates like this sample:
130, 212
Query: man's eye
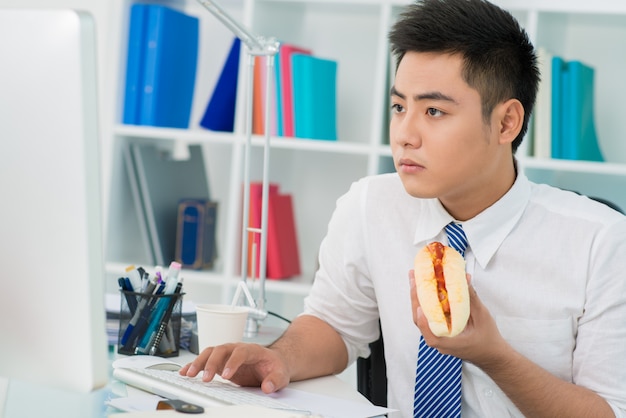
434, 112
396, 108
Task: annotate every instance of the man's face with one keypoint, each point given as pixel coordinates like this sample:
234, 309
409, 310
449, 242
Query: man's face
440, 143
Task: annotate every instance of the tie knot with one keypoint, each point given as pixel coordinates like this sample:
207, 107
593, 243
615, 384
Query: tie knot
456, 237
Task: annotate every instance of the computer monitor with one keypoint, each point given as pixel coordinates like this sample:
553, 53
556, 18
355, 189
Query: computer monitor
52, 316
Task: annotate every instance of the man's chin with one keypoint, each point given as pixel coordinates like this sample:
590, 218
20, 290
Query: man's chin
420, 193
418, 189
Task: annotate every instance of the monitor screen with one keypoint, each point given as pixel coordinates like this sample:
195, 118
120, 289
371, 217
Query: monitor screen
52, 317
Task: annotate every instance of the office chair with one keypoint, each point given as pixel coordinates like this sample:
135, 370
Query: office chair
371, 374
608, 203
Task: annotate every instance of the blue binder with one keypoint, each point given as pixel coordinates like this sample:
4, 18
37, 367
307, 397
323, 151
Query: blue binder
135, 63
171, 53
220, 111
195, 235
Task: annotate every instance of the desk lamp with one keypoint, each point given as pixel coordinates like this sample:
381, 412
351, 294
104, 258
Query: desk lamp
255, 46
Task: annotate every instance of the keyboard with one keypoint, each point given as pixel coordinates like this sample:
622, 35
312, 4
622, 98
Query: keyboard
171, 385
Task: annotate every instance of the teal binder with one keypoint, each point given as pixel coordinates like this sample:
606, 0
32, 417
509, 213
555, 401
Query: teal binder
314, 94
573, 127
579, 133
278, 88
557, 111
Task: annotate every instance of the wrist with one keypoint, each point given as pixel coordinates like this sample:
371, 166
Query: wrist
500, 357
282, 352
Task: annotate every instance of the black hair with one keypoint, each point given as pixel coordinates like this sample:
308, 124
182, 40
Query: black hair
499, 60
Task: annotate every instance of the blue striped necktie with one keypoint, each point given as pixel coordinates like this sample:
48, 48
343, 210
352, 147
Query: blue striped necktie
438, 376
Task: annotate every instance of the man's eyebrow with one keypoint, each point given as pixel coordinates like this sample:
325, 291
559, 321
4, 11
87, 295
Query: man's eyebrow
394, 92
434, 95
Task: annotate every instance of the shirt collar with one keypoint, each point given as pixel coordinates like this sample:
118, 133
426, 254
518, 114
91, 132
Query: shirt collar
487, 230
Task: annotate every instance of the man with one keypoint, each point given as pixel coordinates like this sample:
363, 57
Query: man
547, 330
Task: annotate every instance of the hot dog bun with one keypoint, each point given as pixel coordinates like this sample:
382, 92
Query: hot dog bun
437, 260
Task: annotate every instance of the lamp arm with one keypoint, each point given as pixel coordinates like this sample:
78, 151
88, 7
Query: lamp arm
256, 45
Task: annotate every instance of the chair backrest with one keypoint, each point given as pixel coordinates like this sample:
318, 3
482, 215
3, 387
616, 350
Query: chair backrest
608, 203
372, 374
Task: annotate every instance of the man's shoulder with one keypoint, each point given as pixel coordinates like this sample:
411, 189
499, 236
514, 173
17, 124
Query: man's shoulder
575, 204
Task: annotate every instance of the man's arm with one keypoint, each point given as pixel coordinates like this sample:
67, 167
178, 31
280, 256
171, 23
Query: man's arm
308, 348
536, 392
311, 348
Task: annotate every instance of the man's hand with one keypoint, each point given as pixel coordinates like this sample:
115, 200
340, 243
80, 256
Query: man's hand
477, 343
242, 363
523, 381
308, 348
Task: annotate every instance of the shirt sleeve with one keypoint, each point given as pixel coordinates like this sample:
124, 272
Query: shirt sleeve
599, 359
342, 293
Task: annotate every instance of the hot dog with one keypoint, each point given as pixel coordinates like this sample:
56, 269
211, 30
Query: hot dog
442, 289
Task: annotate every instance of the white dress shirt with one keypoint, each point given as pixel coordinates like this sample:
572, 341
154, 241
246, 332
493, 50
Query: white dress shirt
550, 266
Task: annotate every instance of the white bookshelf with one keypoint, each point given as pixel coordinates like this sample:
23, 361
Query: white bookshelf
354, 32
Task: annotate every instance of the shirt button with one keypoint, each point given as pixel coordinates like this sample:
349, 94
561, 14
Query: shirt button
488, 393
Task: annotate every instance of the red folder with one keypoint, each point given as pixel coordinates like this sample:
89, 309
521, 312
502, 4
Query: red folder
283, 259
286, 87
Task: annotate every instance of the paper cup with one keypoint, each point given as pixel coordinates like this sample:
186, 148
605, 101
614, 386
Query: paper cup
220, 324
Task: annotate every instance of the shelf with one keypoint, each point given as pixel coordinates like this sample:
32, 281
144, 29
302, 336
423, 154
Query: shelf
566, 6
318, 172
167, 136
616, 169
193, 278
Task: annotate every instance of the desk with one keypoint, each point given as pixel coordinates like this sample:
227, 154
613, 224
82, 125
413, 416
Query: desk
31, 401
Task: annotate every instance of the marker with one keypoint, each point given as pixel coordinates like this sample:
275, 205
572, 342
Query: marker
134, 277
171, 283
159, 273
142, 324
171, 280
124, 283
167, 346
140, 308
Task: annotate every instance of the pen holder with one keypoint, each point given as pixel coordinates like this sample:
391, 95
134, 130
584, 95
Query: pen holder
150, 324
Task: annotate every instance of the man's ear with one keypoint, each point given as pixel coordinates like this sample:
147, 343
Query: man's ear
510, 120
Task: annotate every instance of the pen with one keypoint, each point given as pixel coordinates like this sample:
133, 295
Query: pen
171, 282
158, 273
165, 323
130, 300
140, 308
145, 281
168, 343
144, 321
143, 273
